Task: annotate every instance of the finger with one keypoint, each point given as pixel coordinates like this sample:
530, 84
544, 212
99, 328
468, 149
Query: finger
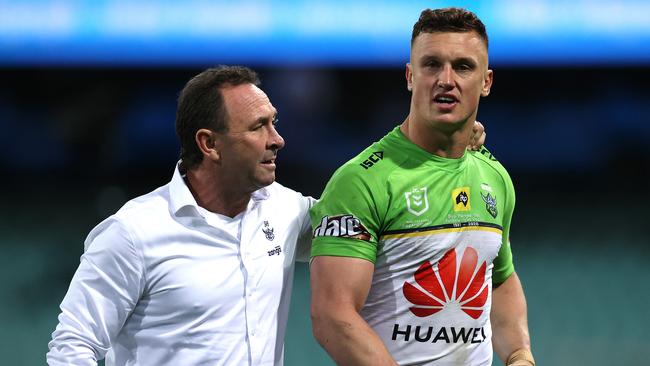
477, 139
478, 128
481, 141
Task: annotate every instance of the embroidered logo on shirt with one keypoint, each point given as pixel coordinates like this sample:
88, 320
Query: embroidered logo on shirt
490, 204
274, 251
417, 202
268, 231
460, 199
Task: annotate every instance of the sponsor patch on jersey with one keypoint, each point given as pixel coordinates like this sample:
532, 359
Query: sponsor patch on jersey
460, 199
373, 159
490, 204
454, 283
417, 201
342, 226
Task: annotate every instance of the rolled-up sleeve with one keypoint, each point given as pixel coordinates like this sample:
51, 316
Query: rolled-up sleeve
304, 237
103, 292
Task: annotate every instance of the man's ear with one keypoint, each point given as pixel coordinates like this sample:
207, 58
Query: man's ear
487, 83
409, 77
207, 142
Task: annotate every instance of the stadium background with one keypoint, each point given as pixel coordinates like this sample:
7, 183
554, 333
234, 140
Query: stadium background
87, 114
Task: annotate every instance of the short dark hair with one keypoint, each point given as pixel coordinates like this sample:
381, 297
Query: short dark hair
201, 105
449, 20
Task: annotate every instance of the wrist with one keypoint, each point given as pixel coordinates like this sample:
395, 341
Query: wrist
521, 357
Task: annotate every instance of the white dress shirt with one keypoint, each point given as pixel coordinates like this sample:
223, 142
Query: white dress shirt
165, 282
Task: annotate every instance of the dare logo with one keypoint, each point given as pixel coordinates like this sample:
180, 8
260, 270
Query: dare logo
342, 226
453, 284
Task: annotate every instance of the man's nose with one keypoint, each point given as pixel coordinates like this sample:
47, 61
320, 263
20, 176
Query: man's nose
446, 77
275, 140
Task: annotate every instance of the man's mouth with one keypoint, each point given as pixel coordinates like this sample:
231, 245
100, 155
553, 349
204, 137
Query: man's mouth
269, 162
445, 99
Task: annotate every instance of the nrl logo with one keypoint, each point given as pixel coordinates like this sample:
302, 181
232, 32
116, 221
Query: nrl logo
268, 231
490, 204
417, 202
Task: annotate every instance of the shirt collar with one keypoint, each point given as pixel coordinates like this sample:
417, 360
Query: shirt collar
180, 196
261, 194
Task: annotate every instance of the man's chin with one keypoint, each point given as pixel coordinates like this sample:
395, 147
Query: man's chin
265, 181
448, 122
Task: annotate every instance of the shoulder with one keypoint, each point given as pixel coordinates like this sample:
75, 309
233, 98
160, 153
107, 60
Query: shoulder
277, 191
488, 163
486, 160
286, 198
370, 168
138, 215
148, 207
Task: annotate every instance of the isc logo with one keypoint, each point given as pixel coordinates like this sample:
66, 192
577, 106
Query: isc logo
344, 226
373, 159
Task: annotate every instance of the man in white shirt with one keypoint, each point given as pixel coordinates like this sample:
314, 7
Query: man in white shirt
200, 270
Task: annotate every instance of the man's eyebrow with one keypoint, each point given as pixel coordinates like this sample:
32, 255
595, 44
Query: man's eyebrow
428, 58
262, 120
461, 59
467, 60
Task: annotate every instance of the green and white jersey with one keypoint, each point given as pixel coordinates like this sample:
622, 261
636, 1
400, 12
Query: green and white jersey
437, 231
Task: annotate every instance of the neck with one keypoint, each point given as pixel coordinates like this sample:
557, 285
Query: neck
447, 144
215, 194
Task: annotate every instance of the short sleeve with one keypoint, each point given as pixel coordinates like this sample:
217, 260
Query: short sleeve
503, 264
345, 220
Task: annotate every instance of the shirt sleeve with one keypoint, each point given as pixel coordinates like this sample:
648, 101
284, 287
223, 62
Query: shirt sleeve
346, 220
103, 292
503, 264
303, 249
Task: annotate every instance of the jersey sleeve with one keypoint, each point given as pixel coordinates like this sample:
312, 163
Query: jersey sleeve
346, 220
503, 264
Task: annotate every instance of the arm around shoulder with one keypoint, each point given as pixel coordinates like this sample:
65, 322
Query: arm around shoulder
340, 286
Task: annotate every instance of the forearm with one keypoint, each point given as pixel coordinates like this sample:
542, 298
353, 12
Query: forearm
339, 289
509, 318
349, 340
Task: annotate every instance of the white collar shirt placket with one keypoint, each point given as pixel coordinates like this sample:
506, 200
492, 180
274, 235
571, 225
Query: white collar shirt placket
259, 284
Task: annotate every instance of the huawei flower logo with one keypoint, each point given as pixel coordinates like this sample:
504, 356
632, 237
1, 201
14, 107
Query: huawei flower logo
463, 287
